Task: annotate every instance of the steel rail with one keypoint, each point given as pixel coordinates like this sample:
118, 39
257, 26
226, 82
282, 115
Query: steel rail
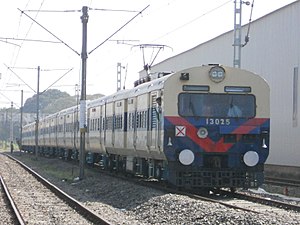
13, 206
264, 201
282, 181
76, 205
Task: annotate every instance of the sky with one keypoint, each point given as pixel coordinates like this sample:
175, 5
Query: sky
48, 34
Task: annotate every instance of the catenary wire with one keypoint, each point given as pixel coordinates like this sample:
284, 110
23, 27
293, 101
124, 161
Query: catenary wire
49, 32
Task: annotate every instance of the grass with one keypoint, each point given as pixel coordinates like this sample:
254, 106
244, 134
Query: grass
52, 167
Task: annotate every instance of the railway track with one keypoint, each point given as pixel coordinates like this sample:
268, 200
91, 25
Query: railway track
275, 204
242, 207
38, 201
10, 213
282, 182
239, 201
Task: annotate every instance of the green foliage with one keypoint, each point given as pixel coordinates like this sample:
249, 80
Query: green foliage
50, 102
6, 122
48, 99
53, 101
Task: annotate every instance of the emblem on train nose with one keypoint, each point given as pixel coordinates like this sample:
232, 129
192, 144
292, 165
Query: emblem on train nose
180, 131
202, 132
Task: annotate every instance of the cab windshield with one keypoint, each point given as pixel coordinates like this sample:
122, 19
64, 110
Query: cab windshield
216, 105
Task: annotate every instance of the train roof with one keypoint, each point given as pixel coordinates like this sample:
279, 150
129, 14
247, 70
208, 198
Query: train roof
128, 93
68, 110
157, 83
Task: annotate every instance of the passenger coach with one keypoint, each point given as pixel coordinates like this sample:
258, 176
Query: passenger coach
202, 127
211, 128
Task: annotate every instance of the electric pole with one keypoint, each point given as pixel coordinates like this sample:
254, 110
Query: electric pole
21, 122
11, 128
37, 114
82, 122
119, 76
237, 42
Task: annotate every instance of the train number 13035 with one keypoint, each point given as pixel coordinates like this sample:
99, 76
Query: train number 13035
216, 121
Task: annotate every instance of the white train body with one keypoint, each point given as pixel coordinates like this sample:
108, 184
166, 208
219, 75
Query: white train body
160, 129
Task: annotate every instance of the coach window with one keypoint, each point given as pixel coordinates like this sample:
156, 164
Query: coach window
133, 116
138, 119
145, 119
129, 121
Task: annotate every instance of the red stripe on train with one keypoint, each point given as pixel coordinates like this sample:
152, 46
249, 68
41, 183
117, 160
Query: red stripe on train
207, 144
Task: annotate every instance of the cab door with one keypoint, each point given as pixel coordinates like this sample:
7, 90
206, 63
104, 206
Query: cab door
131, 124
155, 122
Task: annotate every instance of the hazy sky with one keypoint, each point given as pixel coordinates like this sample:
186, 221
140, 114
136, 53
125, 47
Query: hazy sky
178, 24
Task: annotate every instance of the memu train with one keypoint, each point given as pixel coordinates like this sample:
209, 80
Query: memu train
202, 127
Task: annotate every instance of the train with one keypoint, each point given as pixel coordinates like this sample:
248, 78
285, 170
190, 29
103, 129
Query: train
205, 127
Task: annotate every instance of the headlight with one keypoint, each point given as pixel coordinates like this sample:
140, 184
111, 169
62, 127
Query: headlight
251, 158
217, 74
202, 132
186, 157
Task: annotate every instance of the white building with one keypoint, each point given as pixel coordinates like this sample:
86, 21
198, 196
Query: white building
273, 52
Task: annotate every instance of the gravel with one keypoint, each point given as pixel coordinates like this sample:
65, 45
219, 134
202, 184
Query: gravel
35, 202
122, 202
6, 214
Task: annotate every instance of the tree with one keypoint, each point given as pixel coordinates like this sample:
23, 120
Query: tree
52, 101
45, 99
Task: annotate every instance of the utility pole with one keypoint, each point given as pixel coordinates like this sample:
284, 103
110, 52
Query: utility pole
21, 121
237, 42
11, 128
77, 93
119, 76
82, 122
37, 114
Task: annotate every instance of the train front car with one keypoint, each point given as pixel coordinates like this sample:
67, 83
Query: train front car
217, 135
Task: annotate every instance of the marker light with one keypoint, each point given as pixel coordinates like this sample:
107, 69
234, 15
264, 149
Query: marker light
217, 74
202, 132
251, 158
186, 157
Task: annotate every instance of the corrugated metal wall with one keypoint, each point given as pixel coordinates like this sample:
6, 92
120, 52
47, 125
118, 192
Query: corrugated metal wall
273, 52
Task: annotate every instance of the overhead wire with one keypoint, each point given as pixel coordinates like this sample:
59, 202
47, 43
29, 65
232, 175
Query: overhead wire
168, 33
53, 11
27, 33
49, 32
193, 20
57, 80
125, 58
140, 12
114, 10
22, 39
20, 78
3, 95
15, 57
185, 24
